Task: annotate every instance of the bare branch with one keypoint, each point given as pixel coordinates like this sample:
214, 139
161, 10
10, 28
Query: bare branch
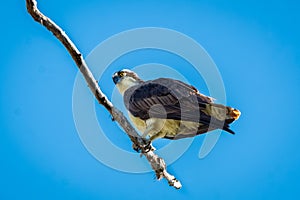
157, 163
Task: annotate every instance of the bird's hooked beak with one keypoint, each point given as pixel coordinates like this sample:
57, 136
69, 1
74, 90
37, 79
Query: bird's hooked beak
116, 78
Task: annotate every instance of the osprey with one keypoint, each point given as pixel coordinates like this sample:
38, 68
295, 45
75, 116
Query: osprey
168, 108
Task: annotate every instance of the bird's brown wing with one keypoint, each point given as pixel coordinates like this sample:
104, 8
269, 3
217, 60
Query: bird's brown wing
171, 99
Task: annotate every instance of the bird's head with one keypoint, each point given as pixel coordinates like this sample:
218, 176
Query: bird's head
125, 79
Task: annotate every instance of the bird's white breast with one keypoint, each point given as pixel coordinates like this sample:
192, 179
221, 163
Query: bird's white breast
166, 127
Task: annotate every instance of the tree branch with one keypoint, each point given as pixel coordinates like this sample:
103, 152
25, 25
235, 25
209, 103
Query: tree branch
157, 163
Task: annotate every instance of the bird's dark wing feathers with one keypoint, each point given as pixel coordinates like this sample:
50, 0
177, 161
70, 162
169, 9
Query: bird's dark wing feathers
179, 100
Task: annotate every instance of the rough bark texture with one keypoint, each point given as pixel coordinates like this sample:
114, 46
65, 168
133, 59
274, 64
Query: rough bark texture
139, 144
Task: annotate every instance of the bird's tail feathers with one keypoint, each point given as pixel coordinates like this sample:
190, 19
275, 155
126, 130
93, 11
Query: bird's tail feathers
232, 115
226, 128
222, 113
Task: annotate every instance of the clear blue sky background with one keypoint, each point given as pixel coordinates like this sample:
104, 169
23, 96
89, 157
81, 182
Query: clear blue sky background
255, 45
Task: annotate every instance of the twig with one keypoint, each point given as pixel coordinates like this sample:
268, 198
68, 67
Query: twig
157, 163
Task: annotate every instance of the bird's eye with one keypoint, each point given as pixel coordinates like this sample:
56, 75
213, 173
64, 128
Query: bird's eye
121, 74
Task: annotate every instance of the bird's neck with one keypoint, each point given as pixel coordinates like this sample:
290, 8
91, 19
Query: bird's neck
126, 84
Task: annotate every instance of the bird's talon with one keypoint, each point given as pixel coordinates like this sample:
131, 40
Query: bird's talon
136, 148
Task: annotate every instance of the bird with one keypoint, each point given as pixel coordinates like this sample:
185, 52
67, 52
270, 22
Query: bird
169, 108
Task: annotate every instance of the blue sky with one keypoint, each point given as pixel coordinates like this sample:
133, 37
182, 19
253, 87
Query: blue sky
255, 46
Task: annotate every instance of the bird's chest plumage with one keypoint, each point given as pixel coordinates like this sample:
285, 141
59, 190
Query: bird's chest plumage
165, 127
160, 126
138, 123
